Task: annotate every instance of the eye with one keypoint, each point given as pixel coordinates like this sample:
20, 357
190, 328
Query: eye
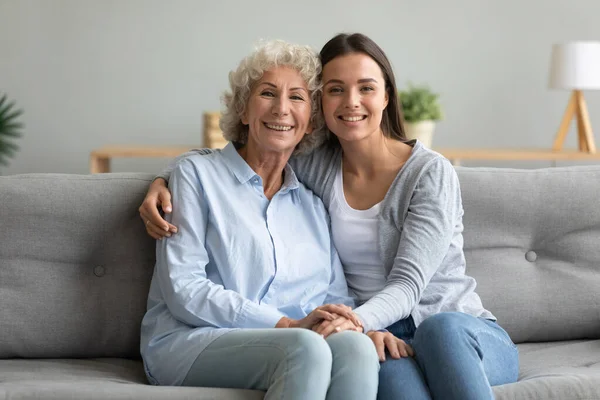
267, 93
367, 89
296, 97
335, 90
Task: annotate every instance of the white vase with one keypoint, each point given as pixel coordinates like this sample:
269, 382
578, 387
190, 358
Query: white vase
422, 130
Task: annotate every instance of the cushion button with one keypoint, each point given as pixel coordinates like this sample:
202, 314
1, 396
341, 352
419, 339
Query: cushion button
531, 256
99, 271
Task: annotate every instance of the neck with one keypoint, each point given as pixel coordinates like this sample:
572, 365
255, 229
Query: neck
371, 155
268, 165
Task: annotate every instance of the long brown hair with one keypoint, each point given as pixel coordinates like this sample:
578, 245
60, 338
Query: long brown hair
342, 44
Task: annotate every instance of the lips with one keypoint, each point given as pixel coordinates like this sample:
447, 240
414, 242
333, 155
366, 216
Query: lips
278, 127
352, 118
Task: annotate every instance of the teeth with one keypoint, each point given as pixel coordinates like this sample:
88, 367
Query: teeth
352, 119
278, 127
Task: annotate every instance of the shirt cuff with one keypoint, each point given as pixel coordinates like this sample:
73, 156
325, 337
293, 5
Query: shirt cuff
258, 316
367, 319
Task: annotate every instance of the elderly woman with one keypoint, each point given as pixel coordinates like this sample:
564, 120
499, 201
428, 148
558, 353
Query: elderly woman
252, 269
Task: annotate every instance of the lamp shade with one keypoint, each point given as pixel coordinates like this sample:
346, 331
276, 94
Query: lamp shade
575, 65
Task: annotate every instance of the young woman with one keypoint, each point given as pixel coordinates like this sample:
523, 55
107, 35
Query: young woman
396, 216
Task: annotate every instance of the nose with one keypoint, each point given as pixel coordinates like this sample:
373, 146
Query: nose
281, 106
352, 99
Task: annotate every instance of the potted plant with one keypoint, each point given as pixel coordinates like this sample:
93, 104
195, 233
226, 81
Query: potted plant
10, 128
421, 110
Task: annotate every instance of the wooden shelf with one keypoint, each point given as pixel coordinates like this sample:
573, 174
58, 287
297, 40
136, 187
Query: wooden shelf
100, 158
458, 155
137, 151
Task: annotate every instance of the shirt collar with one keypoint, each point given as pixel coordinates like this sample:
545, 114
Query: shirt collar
290, 180
244, 173
237, 164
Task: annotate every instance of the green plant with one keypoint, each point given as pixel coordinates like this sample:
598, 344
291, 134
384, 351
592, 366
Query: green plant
419, 103
9, 130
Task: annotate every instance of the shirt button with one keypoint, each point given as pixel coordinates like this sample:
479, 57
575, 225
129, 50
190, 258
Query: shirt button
99, 271
531, 256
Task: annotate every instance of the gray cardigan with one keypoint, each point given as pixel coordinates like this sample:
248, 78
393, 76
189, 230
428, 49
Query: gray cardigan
420, 236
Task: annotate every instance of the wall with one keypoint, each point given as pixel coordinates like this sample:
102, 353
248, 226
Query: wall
92, 73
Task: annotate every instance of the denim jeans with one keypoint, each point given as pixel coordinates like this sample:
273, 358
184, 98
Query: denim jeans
457, 356
290, 364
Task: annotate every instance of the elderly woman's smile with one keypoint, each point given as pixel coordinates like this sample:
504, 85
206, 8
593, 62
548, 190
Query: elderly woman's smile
278, 127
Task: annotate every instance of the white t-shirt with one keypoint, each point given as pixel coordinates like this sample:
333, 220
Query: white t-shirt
355, 236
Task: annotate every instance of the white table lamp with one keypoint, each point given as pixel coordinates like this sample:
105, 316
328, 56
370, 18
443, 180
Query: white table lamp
576, 66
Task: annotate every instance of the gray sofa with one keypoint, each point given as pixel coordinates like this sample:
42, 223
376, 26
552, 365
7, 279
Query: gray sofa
76, 263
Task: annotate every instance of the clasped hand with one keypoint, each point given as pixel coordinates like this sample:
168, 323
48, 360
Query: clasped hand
382, 340
326, 312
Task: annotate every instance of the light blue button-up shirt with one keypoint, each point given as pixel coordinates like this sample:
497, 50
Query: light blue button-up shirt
238, 261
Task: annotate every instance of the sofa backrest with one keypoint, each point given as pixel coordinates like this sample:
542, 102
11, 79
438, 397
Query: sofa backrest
532, 241
76, 262
75, 265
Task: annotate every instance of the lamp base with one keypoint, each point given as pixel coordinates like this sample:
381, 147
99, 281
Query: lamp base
577, 107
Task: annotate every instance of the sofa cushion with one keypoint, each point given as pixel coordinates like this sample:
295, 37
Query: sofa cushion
532, 241
556, 371
75, 265
96, 379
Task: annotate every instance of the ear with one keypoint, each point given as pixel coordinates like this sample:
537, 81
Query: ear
309, 128
387, 99
244, 118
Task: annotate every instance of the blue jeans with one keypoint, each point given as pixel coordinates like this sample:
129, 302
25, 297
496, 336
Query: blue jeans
457, 356
290, 364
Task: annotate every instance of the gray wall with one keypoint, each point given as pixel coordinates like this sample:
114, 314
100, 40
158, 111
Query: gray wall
92, 73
